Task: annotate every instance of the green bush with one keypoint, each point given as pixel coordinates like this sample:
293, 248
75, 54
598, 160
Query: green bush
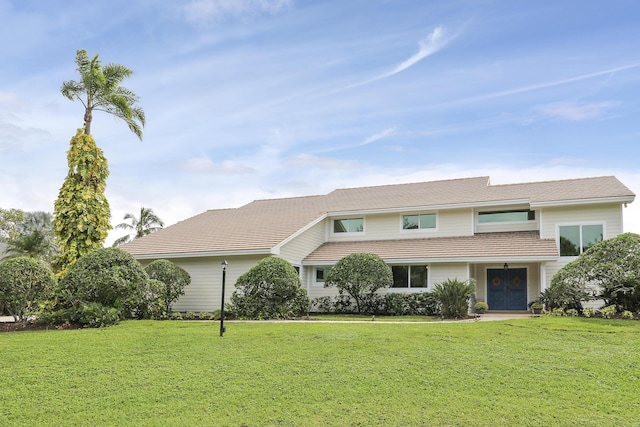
175, 280
608, 312
176, 315
322, 305
108, 276
627, 315
270, 289
152, 305
588, 312
205, 315
361, 275
24, 284
480, 307
190, 315
453, 296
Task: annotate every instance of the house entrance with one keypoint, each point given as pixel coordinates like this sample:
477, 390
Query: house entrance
507, 288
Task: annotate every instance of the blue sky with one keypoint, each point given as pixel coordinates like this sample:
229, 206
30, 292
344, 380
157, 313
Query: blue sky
251, 99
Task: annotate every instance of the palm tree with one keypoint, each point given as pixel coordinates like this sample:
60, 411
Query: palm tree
34, 238
99, 89
147, 223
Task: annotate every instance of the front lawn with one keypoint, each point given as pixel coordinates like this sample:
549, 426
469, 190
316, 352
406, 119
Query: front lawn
542, 371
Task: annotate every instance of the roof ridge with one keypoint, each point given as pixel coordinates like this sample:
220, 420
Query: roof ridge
553, 181
410, 183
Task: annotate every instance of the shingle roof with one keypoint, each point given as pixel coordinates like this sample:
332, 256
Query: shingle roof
261, 225
504, 246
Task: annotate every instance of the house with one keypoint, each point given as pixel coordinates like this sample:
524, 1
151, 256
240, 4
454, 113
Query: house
511, 239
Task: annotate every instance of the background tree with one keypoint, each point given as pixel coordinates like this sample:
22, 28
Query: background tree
610, 267
34, 237
270, 289
360, 275
82, 211
147, 223
24, 283
99, 89
9, 219
174, 279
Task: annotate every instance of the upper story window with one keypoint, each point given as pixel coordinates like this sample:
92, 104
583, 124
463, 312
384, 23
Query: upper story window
575, 239
348, 225
506, 216
418, 222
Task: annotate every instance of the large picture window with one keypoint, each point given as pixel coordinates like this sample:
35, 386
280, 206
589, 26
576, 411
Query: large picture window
575, 239
348, 225
410, 276
419, 222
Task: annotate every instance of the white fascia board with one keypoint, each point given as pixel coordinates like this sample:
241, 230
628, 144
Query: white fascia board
570, 202
450, 260
430, 207
204, 254
276, 249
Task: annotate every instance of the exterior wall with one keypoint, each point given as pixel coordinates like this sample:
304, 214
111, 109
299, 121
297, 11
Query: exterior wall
453, 222
439, 272
301, 246
205, 291
610, 215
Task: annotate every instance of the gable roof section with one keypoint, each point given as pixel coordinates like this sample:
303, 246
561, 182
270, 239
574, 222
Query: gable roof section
522, 245
262, 225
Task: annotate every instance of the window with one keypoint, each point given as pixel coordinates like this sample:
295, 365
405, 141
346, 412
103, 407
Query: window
575, 239
418, 222
321, 274
349, 225
410, 276
506, 216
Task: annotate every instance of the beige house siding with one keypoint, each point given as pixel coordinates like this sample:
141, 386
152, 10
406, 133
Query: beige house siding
439, 272
302, 245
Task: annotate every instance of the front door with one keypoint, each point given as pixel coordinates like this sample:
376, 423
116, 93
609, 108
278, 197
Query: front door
507, 289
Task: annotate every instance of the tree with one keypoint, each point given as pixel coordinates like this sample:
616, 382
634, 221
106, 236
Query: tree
82, 211
24, 283
9, 219
147, 223
99, 89
270, 289
174, 279
611, 267
360, 275
34, 237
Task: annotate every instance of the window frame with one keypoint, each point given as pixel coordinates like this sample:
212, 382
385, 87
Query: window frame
409, 267
325, 270
530, 212
419, 229
343, 233
580, 226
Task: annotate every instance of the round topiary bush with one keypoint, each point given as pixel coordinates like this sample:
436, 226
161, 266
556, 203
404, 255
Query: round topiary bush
109, 276
24, 284
173, 277
271, 289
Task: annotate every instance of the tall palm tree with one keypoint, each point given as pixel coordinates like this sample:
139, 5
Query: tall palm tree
147, 223
99, 89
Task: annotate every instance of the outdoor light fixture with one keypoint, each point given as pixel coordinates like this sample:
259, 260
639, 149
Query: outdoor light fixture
506, 267
224, 276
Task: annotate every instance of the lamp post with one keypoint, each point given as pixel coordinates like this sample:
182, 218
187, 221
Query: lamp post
224, 276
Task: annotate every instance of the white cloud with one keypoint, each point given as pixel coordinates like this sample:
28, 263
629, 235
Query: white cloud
205, 165
379, 135
427, 46
205, 10
574, 112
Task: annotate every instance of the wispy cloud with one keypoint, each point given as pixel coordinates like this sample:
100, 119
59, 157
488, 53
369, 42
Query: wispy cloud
207, 10
206, 166
379, 135
574, 112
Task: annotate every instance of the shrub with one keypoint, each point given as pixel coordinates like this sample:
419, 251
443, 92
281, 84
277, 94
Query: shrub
109, 276
174, 278
572, 312
152, 305
627, 315
190, 315
558, 311
480, 307
322, 304
453, 296
176, 315
588, 312
270, 289
423, 304
24, 284
566, 291
608, 312
360, 276
205, 315
394, 304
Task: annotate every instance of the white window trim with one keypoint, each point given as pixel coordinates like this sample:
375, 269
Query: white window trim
315, 275
528, 221
578, 223
411, 288
348, 233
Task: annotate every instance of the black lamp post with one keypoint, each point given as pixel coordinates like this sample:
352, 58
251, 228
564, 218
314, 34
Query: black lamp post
224, 276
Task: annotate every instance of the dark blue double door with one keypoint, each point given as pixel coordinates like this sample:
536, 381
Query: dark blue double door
507, 288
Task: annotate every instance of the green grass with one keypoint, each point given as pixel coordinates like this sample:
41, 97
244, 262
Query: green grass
542, 371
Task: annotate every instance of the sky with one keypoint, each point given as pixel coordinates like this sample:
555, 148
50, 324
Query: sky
255, 99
